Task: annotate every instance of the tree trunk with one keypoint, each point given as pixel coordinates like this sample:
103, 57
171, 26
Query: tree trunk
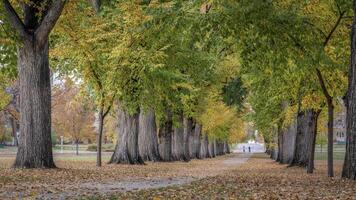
192, 147
349, 168
77, 147
330, 139
225, 147
99, 136
306, 132
178, 140
197, 139
311, 139
126, 150
329, 101
35, 146
212, 153
187, 131
280, 146
204, 147
165, 138
147, 137
96, 4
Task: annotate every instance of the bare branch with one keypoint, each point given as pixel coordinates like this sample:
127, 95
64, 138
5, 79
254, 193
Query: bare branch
49, 21
15, 20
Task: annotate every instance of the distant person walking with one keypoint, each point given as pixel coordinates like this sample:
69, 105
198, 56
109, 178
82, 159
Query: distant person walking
243, 149
249, 149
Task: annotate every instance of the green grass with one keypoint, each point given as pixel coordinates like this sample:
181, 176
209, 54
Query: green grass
321, 152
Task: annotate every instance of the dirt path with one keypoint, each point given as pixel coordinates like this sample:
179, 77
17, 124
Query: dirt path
84, 179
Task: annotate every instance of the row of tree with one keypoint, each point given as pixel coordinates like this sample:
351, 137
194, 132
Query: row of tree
297, 73
159, 67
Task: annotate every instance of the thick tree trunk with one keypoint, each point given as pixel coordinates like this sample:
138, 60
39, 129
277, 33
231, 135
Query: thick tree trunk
187, 131
99, 136
211, 148
287, 141
192, 147
178, 140
305, 136
311, 139
35, 146
204, 147
349, 168
126, 150
147, 137
226, 147
165, 138
197, 139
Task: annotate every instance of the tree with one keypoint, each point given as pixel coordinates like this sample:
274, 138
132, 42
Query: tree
349, 168
35, 147
72, 113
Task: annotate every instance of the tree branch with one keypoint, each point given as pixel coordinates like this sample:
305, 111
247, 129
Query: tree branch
15, 20
322, 84
49, 21
109, 108
327, 39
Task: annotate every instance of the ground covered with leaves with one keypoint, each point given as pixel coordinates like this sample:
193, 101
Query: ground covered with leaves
225, 177
259, 178
79, 177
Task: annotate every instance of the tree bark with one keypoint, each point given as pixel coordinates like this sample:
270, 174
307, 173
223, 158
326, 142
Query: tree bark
99, 136
349, 168
96, 4
305, 133
204, 147
329, 101
211, 149
35, 146
165, 138
226, 147
147, 137
178, 140
126, 150
311, 139
187, 131
280, 145
76, 147
197, 139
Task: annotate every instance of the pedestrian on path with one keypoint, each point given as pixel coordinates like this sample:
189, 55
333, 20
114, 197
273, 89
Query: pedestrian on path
249, 149
243, 149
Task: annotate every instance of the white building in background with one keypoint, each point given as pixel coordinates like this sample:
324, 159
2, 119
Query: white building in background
340, 126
